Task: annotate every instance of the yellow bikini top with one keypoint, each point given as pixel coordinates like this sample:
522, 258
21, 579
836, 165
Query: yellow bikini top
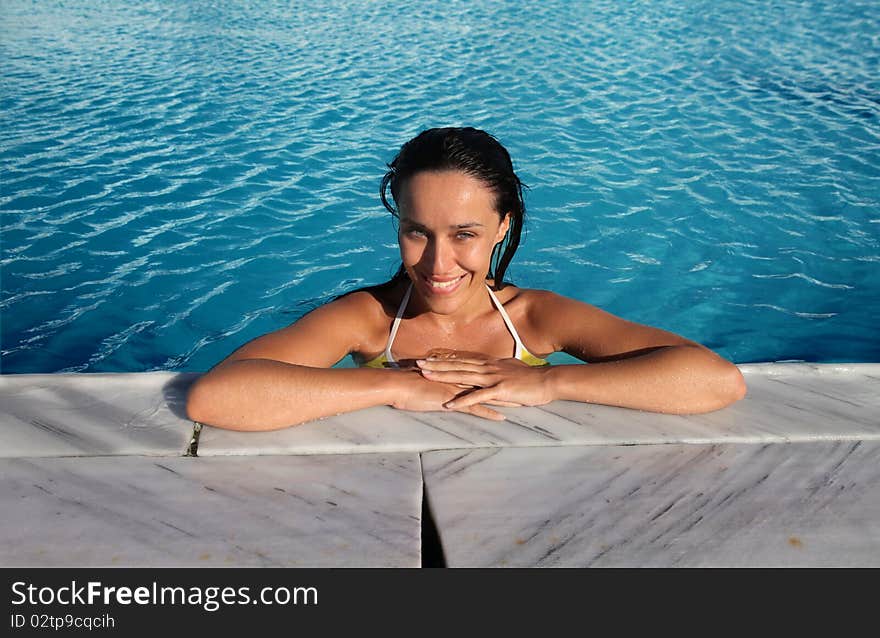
386, 359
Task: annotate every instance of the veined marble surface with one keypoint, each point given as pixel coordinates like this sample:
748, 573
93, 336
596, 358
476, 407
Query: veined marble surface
315, 511
144, 414
94, 414
521, 492
786, 402
762, 504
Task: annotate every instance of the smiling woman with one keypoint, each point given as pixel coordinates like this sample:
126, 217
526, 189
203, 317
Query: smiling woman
446, 332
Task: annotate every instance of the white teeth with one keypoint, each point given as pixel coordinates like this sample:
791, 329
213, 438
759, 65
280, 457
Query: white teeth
444, 284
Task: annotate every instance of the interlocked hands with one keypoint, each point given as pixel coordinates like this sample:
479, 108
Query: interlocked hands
469, 382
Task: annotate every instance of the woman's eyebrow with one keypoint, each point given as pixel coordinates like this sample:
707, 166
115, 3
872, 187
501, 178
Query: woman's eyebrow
412, 224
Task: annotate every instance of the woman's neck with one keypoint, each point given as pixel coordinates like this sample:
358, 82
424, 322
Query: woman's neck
475, 307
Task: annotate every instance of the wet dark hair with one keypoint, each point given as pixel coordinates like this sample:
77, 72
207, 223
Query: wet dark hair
475, 153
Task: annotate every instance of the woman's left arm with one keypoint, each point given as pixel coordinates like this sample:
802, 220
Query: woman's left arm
629, 365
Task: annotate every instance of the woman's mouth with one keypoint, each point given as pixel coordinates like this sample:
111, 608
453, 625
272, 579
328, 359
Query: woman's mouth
443, 285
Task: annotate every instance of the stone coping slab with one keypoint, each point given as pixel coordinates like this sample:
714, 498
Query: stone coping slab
786, 402
295, 511
94, 414
144, 414
725, 505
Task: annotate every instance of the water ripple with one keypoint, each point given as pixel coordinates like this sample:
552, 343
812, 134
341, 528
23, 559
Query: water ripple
807, 278
179, 178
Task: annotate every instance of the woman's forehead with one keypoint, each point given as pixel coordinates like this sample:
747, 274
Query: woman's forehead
448, 194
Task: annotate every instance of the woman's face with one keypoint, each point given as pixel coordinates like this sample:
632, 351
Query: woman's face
448, 228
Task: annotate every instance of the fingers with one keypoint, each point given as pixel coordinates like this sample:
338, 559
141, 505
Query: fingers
459, 377
440, 365
482, 411
503, 404
471, 399
440, 354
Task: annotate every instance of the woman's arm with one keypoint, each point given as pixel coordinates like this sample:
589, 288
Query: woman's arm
630, 365
284, 378
675, 379
265, 394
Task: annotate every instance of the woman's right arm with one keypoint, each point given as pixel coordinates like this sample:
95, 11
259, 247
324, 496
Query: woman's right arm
284, 378
263, 394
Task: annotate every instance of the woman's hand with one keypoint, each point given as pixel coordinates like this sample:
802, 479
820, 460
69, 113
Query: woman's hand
419, 394
503, 382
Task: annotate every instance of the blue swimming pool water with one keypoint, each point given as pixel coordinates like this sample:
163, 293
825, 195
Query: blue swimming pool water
180, 177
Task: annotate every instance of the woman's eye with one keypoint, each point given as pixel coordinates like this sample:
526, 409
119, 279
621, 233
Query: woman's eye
415, 233
465, 235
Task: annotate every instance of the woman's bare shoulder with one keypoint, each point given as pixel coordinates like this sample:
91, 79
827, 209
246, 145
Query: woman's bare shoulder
367, 311
351, 323
537, 314
349, 313
587, 331
358, 302
377, 302
538, 302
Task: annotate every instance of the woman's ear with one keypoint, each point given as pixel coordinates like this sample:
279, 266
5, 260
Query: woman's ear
502, 229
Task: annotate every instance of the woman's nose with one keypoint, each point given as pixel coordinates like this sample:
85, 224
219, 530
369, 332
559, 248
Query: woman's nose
440, 256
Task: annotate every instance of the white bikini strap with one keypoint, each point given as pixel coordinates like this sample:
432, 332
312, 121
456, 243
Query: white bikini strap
520, 348
396, 323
